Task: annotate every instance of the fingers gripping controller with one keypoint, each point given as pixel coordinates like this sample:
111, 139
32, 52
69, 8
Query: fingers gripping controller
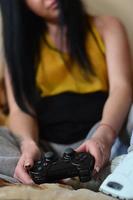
51, 169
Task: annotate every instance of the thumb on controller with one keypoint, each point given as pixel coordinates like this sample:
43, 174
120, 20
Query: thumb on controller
28, 164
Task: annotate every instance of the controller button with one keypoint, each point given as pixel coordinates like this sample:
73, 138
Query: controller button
49, 156
39, 162
81, 157
68, 153
40, 168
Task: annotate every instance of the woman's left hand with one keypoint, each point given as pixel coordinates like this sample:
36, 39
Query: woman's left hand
99, 149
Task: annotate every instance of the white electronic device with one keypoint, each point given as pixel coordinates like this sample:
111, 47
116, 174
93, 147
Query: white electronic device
119, 184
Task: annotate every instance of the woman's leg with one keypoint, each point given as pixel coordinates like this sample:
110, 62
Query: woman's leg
9, 154
58, 148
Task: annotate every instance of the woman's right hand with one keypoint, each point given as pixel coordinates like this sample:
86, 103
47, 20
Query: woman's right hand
30, 152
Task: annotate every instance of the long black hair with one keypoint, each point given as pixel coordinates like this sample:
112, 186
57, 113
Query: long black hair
22, 32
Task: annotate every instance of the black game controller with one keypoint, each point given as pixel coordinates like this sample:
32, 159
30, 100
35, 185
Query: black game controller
51, 169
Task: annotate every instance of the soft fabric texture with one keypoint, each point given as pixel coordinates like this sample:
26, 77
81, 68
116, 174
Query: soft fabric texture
47, 192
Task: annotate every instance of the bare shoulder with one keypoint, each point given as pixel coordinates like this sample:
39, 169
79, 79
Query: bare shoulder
109, 26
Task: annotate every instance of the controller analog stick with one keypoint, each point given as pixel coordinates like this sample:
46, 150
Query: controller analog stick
68, 153
49, 156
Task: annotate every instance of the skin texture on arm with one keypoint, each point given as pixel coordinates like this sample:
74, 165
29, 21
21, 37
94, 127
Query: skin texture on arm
24, 127
20, 123
119, 64
120, 91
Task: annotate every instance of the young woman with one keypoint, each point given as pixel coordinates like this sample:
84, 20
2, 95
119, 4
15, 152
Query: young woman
66, 73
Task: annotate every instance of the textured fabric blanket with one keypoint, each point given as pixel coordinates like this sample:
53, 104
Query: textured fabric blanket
47, 192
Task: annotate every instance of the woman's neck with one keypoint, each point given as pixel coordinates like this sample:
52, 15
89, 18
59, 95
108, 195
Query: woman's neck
58, 36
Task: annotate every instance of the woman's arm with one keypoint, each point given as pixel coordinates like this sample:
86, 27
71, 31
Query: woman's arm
20, 123
25, 128
119, 64
120, 90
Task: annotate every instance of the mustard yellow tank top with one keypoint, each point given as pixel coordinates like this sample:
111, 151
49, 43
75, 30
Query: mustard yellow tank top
54, 76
